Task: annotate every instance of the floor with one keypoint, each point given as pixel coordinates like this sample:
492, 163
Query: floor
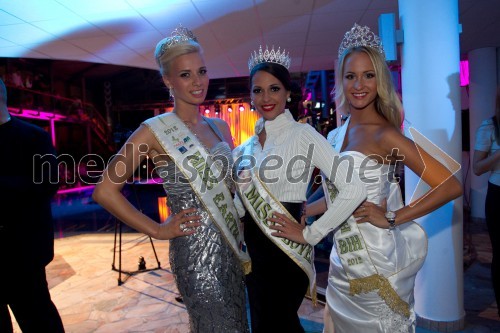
86, 291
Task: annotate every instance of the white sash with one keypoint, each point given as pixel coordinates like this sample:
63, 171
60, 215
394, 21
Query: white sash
261, 204
186, 151
351, 248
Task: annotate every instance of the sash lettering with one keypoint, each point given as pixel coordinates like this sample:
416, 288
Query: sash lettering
178, 141
261, 204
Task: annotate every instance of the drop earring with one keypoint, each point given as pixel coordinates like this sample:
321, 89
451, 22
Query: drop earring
289, 99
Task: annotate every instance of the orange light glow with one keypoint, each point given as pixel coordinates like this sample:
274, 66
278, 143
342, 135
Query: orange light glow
163, 209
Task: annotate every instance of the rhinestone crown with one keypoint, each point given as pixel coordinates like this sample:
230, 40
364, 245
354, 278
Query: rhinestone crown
180, 35
278, 57
360, 36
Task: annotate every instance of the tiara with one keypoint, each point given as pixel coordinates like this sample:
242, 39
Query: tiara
278, 57
180, 35
360, 36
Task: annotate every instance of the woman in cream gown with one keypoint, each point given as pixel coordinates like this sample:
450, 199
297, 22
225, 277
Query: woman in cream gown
379, 249
397, 254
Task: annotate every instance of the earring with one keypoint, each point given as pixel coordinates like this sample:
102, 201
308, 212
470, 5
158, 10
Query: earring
171, 92
251, 103
289, 99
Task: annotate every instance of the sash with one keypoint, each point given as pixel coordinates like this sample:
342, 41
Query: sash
187, 152
261, 204
351, 248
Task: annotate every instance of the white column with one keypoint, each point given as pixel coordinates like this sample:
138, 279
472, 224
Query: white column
482, 89
431, 97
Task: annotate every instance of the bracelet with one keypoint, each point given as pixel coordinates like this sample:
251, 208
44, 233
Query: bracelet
391, 219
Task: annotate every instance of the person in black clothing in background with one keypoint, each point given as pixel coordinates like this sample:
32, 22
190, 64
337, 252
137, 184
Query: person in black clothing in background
28, 179
487, 159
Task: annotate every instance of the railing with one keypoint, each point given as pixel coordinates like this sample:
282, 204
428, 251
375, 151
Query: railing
35, 104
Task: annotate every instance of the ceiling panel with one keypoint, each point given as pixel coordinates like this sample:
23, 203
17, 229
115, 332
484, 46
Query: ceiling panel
125, 32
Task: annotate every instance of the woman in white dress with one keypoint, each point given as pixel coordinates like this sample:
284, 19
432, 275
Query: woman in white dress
378, 251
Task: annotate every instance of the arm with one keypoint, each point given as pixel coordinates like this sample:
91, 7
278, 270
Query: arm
444, 186
108, 191
482, 163
316, 207
351, 193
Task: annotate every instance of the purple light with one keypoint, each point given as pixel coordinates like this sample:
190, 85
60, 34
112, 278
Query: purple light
464, 73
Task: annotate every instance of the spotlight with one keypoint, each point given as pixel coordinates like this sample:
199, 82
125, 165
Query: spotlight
252, 108
229, 109
241, 108
207, 110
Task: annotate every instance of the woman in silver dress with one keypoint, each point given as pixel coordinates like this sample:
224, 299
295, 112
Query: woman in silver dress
192, 155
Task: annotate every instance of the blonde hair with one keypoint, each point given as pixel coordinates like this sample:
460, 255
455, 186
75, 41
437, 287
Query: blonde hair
387, 103
165, 57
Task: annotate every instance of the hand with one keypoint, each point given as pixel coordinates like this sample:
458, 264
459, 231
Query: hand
369, 212
286, 228
180, 224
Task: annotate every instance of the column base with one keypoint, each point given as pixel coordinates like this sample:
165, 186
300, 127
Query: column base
441, 326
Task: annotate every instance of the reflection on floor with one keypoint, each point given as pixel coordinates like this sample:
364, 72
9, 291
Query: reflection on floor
85, 288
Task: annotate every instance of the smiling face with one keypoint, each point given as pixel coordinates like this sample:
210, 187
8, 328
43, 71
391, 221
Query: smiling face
359, 81
268, 95
187, 77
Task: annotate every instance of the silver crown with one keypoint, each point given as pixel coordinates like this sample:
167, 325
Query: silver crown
360, 36
278, 57
180, 35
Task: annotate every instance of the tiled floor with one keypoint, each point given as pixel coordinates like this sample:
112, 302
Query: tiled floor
85, 288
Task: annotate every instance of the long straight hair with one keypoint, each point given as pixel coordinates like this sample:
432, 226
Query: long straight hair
387, 103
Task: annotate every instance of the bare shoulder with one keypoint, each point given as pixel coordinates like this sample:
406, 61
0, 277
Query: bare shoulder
224, 128
143, 138
388, 135
220, 123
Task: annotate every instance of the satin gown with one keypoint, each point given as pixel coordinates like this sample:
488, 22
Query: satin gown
397, 255
208, 273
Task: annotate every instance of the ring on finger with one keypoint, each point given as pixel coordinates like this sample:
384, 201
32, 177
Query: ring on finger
182, 226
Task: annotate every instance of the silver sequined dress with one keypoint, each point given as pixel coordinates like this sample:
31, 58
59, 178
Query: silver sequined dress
208, 273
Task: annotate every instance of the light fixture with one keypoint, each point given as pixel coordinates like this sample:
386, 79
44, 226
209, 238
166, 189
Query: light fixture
229, 109
241, 108
207, 109
252, 108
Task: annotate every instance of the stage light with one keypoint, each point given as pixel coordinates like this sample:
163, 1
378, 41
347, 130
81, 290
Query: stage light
252, 108
229, 109
163, 210
241, 108
207, 110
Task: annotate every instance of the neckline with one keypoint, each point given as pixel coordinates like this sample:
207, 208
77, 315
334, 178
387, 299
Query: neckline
279, 122
207, 149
